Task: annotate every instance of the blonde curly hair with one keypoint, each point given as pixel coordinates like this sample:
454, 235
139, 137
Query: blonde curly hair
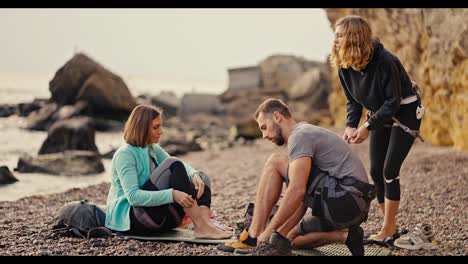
357, 49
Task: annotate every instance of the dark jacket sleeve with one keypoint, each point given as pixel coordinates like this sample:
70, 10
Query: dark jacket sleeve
391, 84
353, 108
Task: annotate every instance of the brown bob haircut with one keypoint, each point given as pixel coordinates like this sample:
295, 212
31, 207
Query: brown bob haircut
138, 124
271, 105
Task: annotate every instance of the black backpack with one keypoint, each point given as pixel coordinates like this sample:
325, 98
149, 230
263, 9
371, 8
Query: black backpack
81, 219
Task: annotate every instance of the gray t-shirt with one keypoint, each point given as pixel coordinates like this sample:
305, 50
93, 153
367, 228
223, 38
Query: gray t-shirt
329, 152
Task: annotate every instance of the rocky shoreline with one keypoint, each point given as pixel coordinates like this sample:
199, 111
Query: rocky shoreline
433, 181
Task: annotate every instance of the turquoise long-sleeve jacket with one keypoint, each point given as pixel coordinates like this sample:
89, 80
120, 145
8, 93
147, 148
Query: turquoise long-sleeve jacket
130, 171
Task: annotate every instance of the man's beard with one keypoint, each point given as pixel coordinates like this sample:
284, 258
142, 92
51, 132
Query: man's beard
279, 140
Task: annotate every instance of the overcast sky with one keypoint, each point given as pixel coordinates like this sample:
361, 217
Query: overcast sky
171, 44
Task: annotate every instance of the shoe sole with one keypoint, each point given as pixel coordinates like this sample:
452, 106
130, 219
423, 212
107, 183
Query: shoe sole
226, 248
242, 252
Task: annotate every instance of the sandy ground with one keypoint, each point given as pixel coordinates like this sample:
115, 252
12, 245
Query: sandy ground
433, 181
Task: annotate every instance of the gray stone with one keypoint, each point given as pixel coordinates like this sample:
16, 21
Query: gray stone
6, 177
77, 133
68, 163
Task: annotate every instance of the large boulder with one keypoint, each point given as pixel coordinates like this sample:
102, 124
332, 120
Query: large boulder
107, 95
282, 71
72, 134
312, 88
6, 177
305, 84
81, 78
432, 44
70, 163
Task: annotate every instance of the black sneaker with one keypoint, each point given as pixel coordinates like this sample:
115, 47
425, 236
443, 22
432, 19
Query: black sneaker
278, 245
355, 241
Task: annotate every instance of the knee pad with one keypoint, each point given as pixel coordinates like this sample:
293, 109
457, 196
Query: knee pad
170, 168
392, 188
169, 161
205, 178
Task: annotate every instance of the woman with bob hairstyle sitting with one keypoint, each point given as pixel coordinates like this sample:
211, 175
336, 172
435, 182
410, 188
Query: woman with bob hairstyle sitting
151, 191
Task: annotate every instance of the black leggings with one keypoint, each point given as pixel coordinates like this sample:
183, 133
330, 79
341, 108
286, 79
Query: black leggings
389, 147
168, 216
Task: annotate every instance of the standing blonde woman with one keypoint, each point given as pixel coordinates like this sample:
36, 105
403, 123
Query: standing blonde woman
151, 191
374, 78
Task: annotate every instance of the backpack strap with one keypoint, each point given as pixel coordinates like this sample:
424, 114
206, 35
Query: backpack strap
77, 232
317, 188
151, 162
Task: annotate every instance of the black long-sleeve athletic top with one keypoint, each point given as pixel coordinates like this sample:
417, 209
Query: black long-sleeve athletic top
379, 87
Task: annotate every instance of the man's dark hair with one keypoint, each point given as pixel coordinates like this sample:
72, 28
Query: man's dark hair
271, 105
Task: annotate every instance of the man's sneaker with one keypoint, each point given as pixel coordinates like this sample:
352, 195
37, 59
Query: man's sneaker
245, 243
355, 241
278, 245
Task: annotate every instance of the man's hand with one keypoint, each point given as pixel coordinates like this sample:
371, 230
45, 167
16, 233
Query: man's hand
349, 134
199, 184
264, 236
182, 198
361, 134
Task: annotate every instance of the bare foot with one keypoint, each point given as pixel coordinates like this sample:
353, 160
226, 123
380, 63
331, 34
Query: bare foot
383, 234
221, 226
212, 232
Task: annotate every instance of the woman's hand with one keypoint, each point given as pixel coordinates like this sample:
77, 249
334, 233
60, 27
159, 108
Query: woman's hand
199, 184
182, 198
361, 134
349, 134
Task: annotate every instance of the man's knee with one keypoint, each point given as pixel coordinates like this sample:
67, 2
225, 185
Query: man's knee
277, 157
279, 161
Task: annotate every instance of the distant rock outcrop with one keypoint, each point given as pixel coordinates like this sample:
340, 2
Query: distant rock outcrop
168, 102
302, 84
191, 104
432, 44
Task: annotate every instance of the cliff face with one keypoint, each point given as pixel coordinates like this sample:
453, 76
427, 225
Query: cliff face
432, 44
